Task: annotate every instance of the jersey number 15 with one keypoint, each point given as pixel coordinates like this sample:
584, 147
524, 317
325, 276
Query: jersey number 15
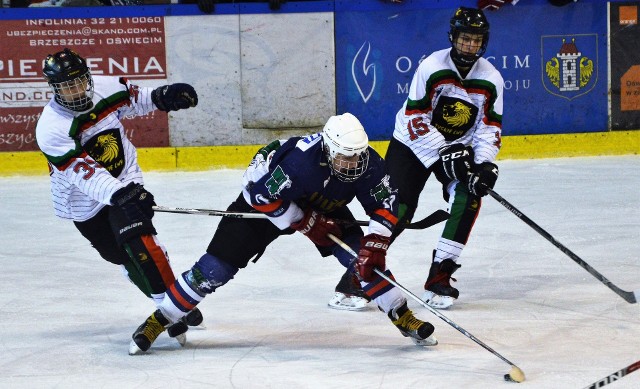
417, 127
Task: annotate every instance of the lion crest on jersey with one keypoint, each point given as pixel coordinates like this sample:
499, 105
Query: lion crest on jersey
109, 147
453, 117
457, 114
106, 149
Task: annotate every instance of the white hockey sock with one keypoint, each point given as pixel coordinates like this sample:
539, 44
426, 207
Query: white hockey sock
390, 299
448, 249
179, 300
157, 298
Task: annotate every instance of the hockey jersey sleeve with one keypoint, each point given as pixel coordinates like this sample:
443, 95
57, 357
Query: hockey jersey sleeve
271, 189
139, 97
378, 197
486, 141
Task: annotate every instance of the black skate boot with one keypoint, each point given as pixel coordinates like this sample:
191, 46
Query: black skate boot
148, 332
438, 290
178, 330
194, 318
419, 331
349, 295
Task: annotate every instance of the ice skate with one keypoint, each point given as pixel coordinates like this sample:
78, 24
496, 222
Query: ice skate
349, 295
194, 318
148, 332
178, 330
438, 292
145, 335
420, 332
348, 302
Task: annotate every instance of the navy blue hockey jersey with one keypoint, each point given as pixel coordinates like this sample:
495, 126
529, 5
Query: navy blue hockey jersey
286, 177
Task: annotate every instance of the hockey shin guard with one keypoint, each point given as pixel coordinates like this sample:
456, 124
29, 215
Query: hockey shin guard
208, 274
133, 273
464, 209
152, 260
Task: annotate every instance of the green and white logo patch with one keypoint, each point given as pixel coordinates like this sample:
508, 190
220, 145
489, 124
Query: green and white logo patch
278, 181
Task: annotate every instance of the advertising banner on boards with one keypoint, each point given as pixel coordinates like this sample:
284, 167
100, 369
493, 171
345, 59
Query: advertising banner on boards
131, 47
553, 61
625, 66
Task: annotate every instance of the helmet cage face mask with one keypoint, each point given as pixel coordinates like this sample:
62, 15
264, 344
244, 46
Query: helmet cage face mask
346, 168
76, 94
70, 79
472, 21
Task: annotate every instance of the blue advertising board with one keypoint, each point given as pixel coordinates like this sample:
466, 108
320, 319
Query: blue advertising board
553, 61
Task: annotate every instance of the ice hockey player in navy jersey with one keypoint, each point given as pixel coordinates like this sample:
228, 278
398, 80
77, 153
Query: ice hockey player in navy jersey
95, 177
302, 184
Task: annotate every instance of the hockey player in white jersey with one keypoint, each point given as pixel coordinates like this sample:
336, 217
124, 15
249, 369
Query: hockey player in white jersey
95, 177
450, 125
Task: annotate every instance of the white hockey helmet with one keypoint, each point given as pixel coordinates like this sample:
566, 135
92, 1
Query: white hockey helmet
347, 146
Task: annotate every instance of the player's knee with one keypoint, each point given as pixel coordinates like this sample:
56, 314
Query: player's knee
209, 273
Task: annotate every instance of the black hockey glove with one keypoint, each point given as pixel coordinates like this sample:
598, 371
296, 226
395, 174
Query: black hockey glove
131, 213
174, 97
135, 202
485, 176
457, 160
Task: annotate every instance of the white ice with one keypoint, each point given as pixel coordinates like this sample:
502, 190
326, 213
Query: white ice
66, 315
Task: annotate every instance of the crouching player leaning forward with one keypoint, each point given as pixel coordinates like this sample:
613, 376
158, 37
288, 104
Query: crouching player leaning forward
95, 177
302, 184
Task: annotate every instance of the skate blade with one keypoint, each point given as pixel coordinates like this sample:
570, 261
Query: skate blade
436, 301
348, 303
429, 341
182, 339
134, 349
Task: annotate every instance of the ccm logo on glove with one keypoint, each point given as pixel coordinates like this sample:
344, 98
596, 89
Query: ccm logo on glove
455, 154
457, 161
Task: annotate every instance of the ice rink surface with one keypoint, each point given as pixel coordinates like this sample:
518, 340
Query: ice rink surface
67, 316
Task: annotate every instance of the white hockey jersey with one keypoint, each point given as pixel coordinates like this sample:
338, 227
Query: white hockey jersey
89, 154
443, 108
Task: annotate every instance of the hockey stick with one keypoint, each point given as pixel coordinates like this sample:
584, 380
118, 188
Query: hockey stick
515, 374
630, 297
431, 220
615, 376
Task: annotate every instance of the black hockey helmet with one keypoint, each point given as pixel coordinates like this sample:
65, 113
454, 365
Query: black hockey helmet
473, 21
65, 71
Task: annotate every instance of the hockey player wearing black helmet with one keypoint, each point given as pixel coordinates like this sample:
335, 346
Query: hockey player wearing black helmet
69, 77
469, 36
449, 127
96, 180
